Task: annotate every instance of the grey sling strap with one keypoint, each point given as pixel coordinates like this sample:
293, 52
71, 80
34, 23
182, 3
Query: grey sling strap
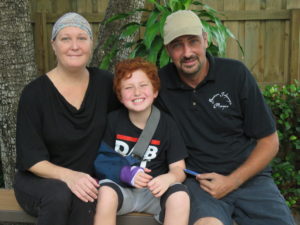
144, 140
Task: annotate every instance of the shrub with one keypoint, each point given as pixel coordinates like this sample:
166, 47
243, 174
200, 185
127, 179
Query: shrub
285, 104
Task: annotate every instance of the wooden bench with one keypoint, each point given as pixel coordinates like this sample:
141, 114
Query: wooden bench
10, 211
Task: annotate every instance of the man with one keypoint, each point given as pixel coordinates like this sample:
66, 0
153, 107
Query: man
227, 127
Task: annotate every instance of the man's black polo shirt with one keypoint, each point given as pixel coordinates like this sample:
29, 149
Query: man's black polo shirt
221, 118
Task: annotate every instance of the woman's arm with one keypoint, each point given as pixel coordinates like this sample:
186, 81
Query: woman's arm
81, 184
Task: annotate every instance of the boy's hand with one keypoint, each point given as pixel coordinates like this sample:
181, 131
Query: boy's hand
142, 179
159, 185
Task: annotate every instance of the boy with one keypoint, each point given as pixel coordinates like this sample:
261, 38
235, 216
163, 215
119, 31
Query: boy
154, 185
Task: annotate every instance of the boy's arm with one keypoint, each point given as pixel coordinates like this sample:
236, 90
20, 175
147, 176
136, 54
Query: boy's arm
176, 172
160, 184
135, 176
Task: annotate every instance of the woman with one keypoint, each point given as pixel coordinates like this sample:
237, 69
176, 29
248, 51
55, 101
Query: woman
61, 120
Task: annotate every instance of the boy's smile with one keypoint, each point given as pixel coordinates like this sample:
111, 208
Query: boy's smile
137, 92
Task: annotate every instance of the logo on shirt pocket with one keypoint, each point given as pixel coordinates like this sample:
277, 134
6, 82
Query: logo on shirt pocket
220, 101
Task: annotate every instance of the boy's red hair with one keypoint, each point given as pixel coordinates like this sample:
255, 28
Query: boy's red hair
125, 68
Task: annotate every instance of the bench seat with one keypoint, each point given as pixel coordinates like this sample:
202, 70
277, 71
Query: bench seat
10, 211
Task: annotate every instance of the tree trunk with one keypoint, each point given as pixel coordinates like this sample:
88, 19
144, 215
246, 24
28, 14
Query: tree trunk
17, 67
115, 7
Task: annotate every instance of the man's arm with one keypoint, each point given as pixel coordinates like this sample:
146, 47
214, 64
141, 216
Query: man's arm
218, 185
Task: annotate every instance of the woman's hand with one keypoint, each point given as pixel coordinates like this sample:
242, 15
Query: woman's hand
82, 185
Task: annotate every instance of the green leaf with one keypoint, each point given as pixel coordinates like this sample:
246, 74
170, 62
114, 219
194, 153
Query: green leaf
293, 138
141, 51
152, 19
105, 62
129, 44
150, 34
155, 49
117, 17
211, 10
157, 5
287, 125
293, 88
139, 45
129, 29
172, 4
162, 22
164, 58
187, 4
207, 29
176, 5
220, 39
198, 3
213, 49
143, 10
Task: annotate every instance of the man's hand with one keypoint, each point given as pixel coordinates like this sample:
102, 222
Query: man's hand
82, 185
217, 185
142, 179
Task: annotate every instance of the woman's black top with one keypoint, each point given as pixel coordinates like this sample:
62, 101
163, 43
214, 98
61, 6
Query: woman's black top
50, 128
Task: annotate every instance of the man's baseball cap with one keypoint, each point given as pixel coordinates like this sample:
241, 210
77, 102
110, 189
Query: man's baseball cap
181, 22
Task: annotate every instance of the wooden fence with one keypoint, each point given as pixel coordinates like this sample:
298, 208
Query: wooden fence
268, 31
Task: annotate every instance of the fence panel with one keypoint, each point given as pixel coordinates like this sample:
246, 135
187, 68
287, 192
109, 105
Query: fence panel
268, 31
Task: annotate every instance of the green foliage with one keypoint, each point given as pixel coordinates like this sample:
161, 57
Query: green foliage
151, 45
285, 104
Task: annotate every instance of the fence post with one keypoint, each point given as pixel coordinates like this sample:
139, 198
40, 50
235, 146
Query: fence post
41, 39
295, 46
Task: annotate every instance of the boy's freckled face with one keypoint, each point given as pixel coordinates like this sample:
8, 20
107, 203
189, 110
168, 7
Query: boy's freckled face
137, 92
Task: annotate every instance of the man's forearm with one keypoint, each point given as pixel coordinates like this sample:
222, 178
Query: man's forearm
265, 150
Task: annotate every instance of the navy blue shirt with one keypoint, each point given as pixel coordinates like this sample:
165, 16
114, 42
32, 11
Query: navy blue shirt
221, 119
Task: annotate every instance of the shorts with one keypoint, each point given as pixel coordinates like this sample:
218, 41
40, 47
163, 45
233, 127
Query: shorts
257, 202
141, 199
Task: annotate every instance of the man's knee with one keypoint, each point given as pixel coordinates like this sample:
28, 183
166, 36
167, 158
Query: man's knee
208, 221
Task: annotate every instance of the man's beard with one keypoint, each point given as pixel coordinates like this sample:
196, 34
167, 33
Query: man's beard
187, 72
